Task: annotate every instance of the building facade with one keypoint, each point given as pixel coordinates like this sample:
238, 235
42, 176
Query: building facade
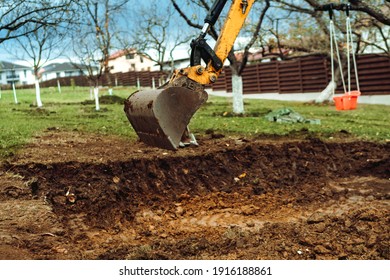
64, 69
15, 73
129, 60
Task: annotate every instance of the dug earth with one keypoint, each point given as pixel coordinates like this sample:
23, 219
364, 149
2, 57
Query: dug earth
71, 195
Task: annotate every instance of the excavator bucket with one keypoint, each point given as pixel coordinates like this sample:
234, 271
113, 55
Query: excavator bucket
160, 117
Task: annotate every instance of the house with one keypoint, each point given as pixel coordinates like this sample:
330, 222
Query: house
63, 69
176, 64
129, 60
265, 54
254, 56
15, 73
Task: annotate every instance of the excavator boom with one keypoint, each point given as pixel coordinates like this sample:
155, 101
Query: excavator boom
161, 117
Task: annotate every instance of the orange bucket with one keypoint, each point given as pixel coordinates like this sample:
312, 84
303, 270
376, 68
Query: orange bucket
347, 101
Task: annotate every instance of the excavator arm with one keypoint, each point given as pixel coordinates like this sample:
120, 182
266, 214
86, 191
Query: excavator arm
161, 117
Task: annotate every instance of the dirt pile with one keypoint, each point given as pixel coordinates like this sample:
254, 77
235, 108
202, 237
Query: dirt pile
75, 196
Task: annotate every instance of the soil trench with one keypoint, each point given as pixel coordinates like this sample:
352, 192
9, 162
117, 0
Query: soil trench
69, 195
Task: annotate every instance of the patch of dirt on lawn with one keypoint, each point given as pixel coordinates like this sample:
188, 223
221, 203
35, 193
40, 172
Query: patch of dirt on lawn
71, 195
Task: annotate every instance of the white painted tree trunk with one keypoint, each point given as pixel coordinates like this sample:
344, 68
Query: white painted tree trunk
38, 93
96, 94
327, 93
14, 90
110, 91
59, 86
238, 98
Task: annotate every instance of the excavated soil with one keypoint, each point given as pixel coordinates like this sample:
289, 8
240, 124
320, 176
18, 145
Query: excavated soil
69, 195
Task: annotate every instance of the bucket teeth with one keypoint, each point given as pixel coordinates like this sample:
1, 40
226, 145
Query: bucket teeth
160, 117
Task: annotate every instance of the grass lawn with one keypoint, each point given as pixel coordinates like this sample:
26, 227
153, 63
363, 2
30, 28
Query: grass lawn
73, 109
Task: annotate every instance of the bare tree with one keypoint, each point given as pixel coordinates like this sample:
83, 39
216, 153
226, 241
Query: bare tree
378, 9
34, 26
37, 48
372, 35
370, 24
156, 37
94, 37
236, 66
35, 13
370, 20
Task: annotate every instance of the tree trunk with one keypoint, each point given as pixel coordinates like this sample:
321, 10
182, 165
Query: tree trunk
96, 93
38, 93
109, 81
327, 93
238, 99
59, 86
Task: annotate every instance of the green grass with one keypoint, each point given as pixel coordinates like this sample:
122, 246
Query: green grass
70, 110
368, 122
73, 110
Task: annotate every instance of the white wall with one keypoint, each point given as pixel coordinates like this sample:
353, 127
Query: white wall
25, 76
123, 64
53, 75
2, 78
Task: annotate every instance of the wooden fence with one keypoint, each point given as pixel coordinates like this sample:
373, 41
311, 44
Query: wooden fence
309, 74
301, 75
144, 78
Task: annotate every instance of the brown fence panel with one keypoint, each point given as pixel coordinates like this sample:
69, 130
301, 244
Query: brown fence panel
129, 79
268, 77
374, 74
220, 84
290, 76
311, 74
250, 80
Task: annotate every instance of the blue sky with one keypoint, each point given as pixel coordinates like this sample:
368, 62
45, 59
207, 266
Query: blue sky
127, 23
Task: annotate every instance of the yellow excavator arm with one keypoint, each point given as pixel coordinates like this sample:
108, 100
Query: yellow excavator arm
235, 19
161, 117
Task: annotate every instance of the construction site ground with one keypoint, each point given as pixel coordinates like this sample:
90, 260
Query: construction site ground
72, 195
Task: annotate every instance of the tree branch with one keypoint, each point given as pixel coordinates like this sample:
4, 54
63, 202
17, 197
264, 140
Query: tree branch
254, 37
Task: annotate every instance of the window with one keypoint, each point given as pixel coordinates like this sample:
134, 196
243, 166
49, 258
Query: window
68, 73
141, 59
25, 73
130, 56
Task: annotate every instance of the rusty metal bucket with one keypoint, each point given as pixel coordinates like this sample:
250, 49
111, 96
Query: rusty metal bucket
161, 116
